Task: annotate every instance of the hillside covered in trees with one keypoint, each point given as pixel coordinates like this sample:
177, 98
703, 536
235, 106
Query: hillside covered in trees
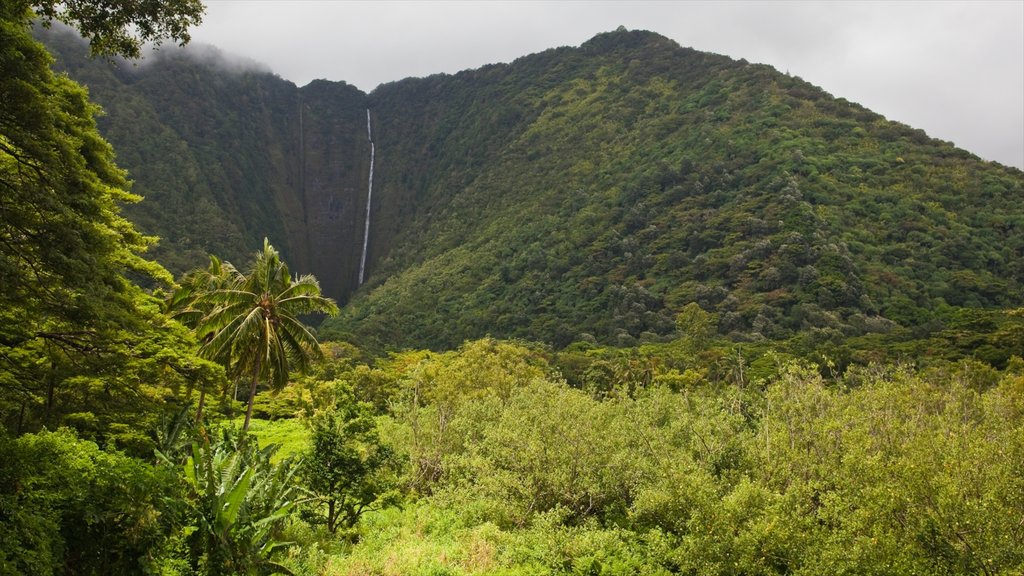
575, 193
631, 309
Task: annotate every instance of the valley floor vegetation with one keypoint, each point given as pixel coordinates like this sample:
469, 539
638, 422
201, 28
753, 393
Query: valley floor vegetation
506, 457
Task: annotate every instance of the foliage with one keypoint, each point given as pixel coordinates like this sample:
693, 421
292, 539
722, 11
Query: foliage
238, 501
629, 178
84, 343
195, 173
880, 470
123, 28
436, 389
347, 468
290, 435
70, 508
687, 231
81, 342
189, 303
579, 192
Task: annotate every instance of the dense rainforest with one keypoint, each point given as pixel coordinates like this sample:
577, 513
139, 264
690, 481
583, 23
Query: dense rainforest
629, 308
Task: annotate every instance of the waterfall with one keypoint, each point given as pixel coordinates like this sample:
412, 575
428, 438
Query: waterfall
369, 197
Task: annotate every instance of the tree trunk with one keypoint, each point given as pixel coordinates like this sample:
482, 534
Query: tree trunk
51, 385
332, 519
199, 410
234, 398
252, 395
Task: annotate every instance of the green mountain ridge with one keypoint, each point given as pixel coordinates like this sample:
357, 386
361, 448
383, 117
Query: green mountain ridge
576, 193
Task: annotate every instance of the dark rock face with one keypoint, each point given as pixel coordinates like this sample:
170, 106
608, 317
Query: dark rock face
333, 160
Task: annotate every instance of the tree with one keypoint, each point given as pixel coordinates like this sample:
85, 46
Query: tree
253, 327
123, 27
347, 468
71, 508
695, 326
73, 318
189, 305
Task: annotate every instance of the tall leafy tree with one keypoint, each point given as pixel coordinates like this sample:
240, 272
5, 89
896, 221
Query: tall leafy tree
71, 508
253, 327
76, 329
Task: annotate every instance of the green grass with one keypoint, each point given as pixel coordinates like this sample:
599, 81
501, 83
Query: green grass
290, 433
420, 541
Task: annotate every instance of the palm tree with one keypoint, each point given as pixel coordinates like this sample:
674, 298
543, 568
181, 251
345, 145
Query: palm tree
189, 303
252, 326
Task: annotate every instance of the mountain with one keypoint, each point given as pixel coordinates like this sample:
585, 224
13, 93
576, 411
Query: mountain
225, 155
577, 193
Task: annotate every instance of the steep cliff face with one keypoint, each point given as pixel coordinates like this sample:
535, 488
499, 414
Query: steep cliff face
333, 159
226, 153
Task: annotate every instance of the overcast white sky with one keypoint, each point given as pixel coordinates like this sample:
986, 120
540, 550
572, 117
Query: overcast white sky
954, 69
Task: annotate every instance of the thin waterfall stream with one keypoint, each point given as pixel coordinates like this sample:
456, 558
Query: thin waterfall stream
369, 197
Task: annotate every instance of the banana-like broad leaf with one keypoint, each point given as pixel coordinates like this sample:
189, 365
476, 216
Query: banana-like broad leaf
235, 498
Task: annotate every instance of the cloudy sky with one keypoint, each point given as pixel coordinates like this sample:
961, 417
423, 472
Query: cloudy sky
954, 69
